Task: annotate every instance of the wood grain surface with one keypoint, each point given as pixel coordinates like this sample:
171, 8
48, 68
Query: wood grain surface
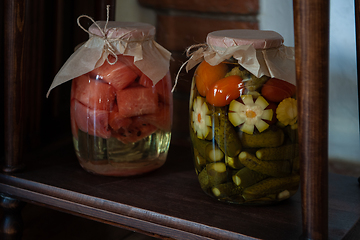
311, 24
169, 201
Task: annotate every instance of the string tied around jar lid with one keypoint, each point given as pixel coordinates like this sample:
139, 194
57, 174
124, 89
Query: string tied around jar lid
193, 55
107, 39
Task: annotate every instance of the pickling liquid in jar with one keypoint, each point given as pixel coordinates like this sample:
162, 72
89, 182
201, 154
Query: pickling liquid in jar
121, 122
244, 136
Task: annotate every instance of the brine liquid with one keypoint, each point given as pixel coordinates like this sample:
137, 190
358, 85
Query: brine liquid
113, 158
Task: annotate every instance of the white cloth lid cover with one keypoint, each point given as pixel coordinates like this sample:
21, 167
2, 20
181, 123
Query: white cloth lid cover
235, 37
115, 29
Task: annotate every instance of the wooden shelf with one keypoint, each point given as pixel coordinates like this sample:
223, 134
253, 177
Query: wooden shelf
169, 202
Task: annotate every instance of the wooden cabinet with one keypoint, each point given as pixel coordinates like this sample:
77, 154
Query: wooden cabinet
168, 203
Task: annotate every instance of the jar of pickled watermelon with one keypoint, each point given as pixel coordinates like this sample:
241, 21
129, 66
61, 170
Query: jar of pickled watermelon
121, 102
243, 117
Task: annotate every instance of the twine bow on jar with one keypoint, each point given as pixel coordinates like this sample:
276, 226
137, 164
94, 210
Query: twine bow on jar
195, 57
121, 38
107, 39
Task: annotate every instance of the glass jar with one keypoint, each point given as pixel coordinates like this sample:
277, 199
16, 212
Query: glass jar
121, 100
121, 121
243, 118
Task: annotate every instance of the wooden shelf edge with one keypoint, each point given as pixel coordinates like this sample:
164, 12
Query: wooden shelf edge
116, 214
95, 198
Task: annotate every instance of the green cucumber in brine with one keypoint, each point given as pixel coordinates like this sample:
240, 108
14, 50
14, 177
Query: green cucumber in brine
200, 162
226, 190
217, 173
233, 162
92, 148
246, 177
282, 187
268, 138
225, 134
204, 179
213, 174
270, 168
207, 149
284, 152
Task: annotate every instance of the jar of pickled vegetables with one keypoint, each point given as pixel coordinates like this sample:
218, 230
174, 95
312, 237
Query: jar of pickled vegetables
243, 117
121, 100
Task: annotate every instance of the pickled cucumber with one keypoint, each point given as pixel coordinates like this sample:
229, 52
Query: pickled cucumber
255, 83
270, 168
296, 165
233, 162
268, 138
207, 149
292, 133
212, 175
204, 179
200, 161
225, 134
246, 177
226, 190
92, 148
271, 186
216, 172
244, 74
252, 82
284, 152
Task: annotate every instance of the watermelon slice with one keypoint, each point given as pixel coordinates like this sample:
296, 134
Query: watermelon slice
163, 88
136, 131
73, 89
137, 101
129, 61
74, 127
162, 119
119, 75
93, 93
116, 121
145, 81
92, 121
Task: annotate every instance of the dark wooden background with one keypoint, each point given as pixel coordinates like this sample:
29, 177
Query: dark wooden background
50, 35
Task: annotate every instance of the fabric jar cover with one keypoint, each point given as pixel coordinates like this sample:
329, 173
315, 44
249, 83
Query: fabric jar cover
111, 37
260, 52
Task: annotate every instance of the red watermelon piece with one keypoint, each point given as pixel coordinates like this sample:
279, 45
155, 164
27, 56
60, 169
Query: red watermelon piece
74, 127
163, 88
119, 75
145, 81
73, 90
92, 121
137, 130
116, 121
129, 61
93, 93
162, 119
136, 101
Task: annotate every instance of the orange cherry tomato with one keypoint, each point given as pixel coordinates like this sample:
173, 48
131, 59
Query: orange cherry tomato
205, 75
223, 91
276, 90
